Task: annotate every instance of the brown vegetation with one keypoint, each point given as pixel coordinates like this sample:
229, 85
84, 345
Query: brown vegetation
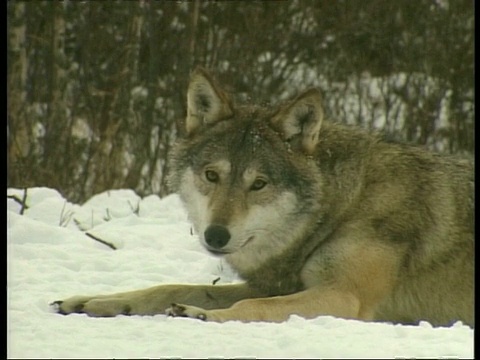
96, 88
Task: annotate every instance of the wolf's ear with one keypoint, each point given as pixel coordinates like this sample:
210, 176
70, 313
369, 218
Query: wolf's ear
206, 102
300, 120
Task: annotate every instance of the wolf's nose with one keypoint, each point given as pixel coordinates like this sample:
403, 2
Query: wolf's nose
217, 236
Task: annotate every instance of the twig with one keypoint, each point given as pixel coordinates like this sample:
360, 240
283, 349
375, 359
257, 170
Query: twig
15, 198
65, 216
135, 209
22, 202
107, 217
111, 246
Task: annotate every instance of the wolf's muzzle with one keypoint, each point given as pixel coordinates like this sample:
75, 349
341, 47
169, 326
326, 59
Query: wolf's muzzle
216, 236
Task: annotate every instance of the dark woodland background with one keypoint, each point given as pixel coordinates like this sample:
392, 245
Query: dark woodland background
97, 89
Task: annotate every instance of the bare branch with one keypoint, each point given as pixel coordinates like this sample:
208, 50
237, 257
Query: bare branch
110, 245
65, 216
22, 202
135, 209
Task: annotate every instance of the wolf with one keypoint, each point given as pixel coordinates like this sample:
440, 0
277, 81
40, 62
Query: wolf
317, 217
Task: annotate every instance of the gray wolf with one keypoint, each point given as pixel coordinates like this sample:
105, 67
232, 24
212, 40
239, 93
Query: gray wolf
317, 217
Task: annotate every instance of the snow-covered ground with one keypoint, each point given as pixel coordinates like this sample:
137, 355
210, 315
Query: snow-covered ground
50, 257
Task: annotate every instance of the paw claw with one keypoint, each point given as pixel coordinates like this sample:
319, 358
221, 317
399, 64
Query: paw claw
57, 306
177, 310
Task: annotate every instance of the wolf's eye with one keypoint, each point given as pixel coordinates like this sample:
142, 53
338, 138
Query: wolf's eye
211, 176
258, 184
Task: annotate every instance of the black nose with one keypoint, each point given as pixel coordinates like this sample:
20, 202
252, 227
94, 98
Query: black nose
217, 236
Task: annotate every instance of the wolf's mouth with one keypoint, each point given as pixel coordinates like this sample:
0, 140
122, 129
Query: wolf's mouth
220, 252
246, 242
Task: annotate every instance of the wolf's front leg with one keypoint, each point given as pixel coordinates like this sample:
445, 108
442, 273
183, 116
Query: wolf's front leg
308, 304
156, 300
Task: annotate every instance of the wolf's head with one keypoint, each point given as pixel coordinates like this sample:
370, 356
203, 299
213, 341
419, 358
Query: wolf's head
245, 174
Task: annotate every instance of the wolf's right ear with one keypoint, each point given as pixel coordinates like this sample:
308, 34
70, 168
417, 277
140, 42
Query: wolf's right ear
207, 103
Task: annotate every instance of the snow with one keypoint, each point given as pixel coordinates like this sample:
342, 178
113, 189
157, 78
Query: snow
49, 257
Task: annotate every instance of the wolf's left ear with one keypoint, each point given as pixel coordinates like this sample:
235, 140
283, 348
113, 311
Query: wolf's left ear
207, 103
300, 121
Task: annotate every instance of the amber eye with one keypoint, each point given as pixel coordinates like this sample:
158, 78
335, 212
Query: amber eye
211, 176
258, 184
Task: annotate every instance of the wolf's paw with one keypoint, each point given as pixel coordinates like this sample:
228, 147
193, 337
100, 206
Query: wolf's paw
74, 304
98, 307
186, 311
